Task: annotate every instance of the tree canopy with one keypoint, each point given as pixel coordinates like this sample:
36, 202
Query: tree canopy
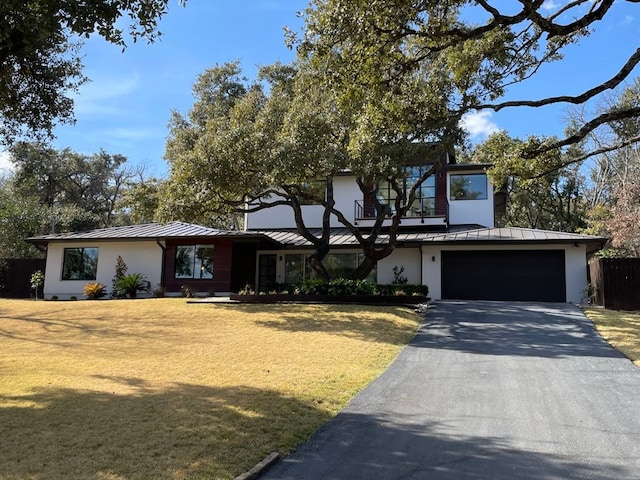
375, 86
471, 53
54, 191
40, 61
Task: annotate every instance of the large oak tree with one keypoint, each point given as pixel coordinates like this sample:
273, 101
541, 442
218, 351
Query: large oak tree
40, 58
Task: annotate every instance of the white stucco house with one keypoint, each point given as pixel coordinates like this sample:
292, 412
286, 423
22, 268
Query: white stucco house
448, 242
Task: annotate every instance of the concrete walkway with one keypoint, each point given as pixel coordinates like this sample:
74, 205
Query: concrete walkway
487, 390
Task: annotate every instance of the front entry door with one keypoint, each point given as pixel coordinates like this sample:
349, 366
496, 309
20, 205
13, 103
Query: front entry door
267, 272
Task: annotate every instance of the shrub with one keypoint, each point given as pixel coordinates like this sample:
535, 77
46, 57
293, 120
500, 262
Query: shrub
121, 271
132, 284
159, 291
188, 291
414, 290
247, 290
54, 297
37, 280
398, 277
94, 290
73, 297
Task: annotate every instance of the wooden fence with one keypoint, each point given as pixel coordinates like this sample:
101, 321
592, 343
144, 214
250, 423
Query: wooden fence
16, 279
616, 283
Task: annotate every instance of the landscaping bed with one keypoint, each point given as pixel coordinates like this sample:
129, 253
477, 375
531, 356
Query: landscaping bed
334, 299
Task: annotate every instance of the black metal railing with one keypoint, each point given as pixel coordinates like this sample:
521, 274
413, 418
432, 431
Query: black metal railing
422, 208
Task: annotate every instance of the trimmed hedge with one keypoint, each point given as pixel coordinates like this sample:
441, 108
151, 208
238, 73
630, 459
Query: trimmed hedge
343, 286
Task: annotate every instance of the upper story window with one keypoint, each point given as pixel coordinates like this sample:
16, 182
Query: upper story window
468, 186
80, 263
194, 261
427, 190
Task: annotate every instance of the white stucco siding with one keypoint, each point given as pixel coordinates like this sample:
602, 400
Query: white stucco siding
466, 212
409, 258
345, 193
575, 266
140, 256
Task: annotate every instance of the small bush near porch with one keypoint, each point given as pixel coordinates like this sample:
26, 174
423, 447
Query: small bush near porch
161, 389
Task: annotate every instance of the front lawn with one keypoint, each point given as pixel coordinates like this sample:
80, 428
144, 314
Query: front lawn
621, 329
158, 389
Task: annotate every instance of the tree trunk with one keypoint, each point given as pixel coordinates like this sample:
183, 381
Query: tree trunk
315, 262
364, 269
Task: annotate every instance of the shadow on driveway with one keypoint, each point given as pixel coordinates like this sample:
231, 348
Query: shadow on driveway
487, 390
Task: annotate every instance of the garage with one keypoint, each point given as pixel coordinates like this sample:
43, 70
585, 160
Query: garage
525, 275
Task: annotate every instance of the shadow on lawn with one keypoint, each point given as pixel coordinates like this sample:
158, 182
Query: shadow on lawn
345, 320
187, 431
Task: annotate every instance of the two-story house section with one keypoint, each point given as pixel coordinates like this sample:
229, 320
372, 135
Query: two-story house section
454, 195
447, 240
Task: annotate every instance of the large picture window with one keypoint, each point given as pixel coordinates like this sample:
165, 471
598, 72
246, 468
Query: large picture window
468, 186
338, 265
424, 204
80, 263
194, 261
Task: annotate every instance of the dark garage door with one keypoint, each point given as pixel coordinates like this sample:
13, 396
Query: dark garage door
532, 275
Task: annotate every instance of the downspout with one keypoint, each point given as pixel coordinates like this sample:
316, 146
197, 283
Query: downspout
421, 264
164, 250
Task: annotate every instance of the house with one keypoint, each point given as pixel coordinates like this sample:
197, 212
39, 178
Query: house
448, 241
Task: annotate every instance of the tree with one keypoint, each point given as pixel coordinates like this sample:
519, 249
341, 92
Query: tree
541, 194
79, 191
246, 146
40, 62
624, 224
470, 53
20, 217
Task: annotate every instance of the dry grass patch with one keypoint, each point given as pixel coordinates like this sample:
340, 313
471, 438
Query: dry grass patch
621, 329
141, 389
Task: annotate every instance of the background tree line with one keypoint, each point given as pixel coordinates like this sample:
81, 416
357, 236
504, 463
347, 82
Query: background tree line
372, 85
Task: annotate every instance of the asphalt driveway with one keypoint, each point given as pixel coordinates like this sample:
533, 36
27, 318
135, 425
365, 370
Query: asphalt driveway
487, 390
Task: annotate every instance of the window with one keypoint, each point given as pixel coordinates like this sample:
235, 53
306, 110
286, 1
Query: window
424, 204
468, 187
80, 263
338, 265
194, 261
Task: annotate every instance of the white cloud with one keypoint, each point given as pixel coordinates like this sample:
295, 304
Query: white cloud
550, 5
132, 133
479, 124
97, 97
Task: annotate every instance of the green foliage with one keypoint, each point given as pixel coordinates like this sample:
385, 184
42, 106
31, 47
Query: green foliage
120, 272
37, 280
94, 290
343, 286
132, 283
40, 65
539, 193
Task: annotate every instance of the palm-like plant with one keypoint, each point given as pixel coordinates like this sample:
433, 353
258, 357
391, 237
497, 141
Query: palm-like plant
132, 283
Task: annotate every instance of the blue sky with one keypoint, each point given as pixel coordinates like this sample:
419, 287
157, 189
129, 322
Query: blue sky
126, 107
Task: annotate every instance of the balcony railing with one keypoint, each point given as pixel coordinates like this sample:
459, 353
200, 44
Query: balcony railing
422, 208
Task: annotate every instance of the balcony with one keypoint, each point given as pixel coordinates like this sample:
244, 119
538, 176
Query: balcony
424, 211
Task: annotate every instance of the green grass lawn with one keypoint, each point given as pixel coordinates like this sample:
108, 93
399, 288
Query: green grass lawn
621, 329
158, 389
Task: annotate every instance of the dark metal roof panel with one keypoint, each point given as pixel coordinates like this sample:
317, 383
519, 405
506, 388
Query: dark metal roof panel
144, 231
